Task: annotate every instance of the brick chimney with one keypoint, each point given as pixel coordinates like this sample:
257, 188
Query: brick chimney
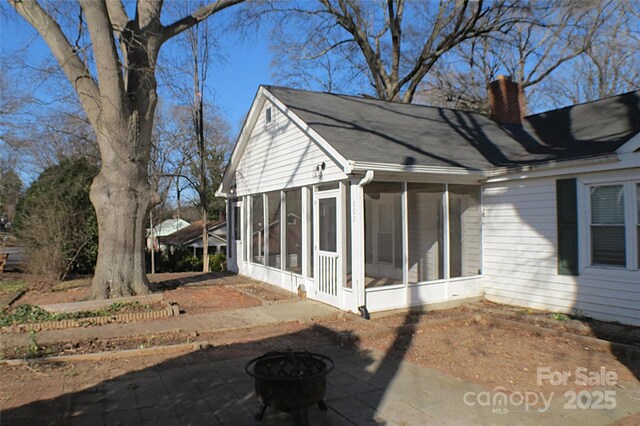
507, 101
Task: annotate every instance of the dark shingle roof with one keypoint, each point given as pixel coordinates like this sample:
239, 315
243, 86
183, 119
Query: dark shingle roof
188, 233
368, 130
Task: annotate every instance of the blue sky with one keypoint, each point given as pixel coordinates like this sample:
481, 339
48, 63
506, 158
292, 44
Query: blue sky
233, 81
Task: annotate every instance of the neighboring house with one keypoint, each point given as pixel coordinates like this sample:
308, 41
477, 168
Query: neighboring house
191, 237
404, 205
163, 229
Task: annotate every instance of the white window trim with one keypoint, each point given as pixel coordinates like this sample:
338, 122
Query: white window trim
630, 218
271, 111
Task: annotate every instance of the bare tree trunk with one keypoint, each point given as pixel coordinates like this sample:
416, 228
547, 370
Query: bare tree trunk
153, 243
205, 243
178, 203
122, 197
203, 189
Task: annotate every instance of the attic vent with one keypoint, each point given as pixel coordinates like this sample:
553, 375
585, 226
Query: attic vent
267, 116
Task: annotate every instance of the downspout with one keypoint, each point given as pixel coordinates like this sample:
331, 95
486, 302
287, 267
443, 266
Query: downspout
360, 295
368, 177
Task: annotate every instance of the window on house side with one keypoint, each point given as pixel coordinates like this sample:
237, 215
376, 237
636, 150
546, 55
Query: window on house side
607, 226
267, 115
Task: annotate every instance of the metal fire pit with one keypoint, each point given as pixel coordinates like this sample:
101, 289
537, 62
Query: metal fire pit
290, 381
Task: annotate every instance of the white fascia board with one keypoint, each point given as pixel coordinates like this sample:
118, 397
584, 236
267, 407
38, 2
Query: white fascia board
631, 145
412, 170
319, 140
241, 142
589, 165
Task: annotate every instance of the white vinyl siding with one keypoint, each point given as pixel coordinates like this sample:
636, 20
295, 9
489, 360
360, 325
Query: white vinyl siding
281, 156
520, 257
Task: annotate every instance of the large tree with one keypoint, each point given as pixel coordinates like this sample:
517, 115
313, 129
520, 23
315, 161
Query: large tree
556, 40
394, 43
119, 100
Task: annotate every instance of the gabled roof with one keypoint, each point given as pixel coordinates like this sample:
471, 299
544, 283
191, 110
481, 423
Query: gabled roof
190, 233
372, 131
168, 226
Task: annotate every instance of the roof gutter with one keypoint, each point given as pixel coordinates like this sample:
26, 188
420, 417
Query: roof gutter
499, 172
359, 166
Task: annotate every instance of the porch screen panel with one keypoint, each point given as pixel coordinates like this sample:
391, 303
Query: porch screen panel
273, 211
383, 233
293, 231
236, 223
426, 237
464, 231
257, 229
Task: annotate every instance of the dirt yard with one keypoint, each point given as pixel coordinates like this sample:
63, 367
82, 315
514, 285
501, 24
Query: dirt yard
194, 292
472, 351
471, 347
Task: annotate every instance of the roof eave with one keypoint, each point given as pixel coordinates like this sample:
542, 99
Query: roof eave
554, 165
362, 166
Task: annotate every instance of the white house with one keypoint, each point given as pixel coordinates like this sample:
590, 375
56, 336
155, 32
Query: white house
389, 205
191, 237
164, 228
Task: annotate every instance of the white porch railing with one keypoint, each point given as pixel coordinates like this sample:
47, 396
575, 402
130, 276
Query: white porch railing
328, 274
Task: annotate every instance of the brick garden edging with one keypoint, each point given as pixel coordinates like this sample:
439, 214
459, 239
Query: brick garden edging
343, 339
168, 311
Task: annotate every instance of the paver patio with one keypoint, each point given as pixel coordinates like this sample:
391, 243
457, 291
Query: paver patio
365, 388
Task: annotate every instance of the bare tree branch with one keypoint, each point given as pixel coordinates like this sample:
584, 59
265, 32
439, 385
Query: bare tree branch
197, 16
75, 70
117, 15
109, 72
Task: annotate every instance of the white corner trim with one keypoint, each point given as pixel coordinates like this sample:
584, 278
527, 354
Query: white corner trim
324, 145
631, 145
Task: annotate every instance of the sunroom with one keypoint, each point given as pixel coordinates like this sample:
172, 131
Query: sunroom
354, 243
327, 197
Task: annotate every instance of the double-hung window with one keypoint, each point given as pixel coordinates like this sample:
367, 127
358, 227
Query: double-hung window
614, 225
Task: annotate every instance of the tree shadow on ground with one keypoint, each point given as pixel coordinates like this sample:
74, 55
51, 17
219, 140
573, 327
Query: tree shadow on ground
159, 285
211, 387
625, 342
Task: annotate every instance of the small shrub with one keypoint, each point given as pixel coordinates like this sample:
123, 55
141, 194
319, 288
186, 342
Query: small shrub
33, 350
217, 262
189, 264
57, 223
559, 317
23, 314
